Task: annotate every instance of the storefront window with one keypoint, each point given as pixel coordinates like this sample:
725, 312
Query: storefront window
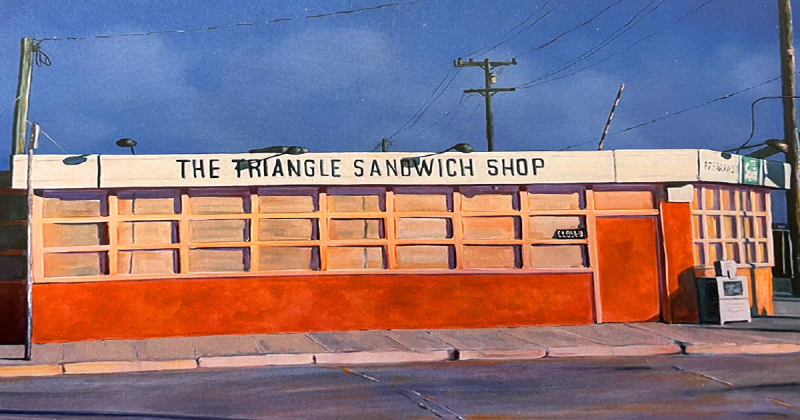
730, 223
282, 229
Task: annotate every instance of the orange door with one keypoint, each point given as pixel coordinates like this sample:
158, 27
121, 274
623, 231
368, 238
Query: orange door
627, 261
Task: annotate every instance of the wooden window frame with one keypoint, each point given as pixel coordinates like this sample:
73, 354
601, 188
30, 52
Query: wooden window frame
322, 215
739, 213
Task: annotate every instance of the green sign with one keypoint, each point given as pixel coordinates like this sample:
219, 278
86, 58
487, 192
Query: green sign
751, 171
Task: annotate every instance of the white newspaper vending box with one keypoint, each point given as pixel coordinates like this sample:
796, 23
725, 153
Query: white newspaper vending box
724, 298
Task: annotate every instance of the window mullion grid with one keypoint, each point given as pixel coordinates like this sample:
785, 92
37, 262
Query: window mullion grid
525, 227
458, 229
183, 233
704, 227
255, 221
113, 234
390, 231
322, 203
768, 227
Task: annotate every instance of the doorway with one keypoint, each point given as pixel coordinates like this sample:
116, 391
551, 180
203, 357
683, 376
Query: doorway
628, 269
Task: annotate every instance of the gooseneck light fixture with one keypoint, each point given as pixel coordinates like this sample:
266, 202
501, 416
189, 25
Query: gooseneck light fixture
281, 150
277, 150
460, 147
126, 142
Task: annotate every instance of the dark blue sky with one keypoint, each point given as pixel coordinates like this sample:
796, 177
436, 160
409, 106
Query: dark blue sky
343, 82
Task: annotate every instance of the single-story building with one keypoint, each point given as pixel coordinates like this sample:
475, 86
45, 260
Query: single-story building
140, 246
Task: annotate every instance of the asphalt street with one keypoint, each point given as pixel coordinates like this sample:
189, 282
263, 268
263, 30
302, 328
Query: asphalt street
664, 387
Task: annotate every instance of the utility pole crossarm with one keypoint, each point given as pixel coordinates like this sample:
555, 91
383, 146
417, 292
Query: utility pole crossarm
471, 63
490, 90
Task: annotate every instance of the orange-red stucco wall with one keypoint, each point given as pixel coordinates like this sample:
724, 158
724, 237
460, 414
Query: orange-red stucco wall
680, 294
249, 305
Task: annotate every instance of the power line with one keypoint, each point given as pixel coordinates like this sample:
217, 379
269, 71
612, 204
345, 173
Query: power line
441, 87
512, 29
449, 114
50, 138
753, 118
11, 104
557, 37
508, 38
242, 24
691, 108
693, 11
635, 20
364, 9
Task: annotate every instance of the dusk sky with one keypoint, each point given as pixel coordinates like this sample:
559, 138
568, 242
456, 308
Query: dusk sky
343, 82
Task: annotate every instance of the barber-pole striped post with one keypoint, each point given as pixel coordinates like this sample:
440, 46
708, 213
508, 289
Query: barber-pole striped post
610, 116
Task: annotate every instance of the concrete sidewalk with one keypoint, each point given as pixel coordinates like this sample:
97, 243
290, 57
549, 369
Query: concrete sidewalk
763, 336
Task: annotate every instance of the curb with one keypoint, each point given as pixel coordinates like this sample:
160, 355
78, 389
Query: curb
614, 351
381, 357
742, 348
255, 361
389, 357
527, 354
36, 370
128, 366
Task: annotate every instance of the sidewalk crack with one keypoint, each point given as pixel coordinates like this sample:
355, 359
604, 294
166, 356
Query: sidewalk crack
260, 349
440, 339
396, 342
310, 337
421, 401
678, 342
522, 338
580, 336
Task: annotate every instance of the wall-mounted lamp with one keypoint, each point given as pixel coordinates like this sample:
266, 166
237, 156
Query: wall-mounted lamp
242, 164
460, 147
126, 142
281, 150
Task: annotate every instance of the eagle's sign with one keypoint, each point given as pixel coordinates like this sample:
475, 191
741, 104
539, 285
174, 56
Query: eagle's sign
570, 234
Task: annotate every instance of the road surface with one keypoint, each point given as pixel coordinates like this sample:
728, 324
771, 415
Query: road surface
665, 387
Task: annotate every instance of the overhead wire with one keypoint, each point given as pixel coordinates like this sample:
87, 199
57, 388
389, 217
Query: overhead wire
640, 40
49, 138
474, 110
449, 114
479, 50
753, 118
562, 34
616, 34
669, 115
428, 102
508, 37
211, 28
11, 104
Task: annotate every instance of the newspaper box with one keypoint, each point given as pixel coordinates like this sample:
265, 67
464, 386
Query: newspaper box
724, 298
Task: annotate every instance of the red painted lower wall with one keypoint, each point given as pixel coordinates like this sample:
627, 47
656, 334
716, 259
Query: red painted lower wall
249, 305
12, 312
681, 289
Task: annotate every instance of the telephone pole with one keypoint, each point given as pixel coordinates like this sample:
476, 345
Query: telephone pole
23, 94
790, 132
489, 79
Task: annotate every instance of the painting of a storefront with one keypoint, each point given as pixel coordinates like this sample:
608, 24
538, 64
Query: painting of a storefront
162, 246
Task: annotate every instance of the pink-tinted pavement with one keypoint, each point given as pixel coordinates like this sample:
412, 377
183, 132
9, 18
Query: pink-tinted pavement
763, 336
